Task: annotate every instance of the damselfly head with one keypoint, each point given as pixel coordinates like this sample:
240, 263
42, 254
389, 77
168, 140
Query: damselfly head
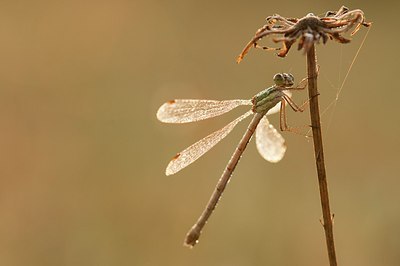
283, 79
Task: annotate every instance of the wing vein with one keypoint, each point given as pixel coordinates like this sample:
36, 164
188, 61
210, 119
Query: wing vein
270, 143
186, 110
198, 149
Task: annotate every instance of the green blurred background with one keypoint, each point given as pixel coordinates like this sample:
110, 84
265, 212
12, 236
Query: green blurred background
82, 156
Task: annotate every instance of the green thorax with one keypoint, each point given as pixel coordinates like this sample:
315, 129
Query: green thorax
266, 99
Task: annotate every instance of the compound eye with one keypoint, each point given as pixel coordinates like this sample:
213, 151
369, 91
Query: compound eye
278, 79
288, 77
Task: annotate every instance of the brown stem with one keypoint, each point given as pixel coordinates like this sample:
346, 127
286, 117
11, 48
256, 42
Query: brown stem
319, 153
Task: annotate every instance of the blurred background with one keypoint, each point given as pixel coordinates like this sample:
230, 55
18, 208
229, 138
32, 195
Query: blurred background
82, 155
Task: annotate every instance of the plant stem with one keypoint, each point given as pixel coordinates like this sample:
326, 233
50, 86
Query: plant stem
319, 153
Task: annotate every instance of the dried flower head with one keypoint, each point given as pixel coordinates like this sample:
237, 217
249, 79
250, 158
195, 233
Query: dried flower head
309, 30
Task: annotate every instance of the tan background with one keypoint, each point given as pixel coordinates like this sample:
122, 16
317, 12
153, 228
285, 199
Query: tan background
82, 156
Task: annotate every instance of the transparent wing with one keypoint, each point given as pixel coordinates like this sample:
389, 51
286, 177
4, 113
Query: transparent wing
192, 153
277, 107
185, 111
270, 144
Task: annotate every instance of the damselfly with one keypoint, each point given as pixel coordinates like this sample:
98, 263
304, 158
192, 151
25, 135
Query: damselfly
269, 142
